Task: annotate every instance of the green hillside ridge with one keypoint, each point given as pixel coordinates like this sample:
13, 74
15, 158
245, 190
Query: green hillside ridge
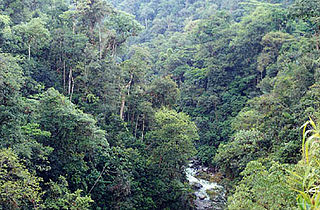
104, 103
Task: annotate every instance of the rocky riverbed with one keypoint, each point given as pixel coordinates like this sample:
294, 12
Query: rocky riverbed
209, 194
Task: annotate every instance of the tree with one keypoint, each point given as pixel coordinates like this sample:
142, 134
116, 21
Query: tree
163, 92
133, 73
245, 146
90, 13
11, 78
11, 82
263, 186
32, 34
5, 28
76, 139
17, 10
121, 26
59, 197
171, 141
272, 43
19, 188
309, 11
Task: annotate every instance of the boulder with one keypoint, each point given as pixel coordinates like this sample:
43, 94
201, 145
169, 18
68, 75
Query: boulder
196, 186
201, 197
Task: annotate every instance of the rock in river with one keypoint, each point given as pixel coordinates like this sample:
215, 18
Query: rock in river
196, 186
202, 197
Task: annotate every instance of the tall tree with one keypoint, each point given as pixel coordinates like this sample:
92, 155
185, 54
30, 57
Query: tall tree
171, 141
32, 34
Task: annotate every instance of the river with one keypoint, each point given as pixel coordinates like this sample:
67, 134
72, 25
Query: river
209, 195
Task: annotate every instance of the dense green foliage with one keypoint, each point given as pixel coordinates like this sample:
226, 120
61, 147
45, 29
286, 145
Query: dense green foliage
102, 104
263, 186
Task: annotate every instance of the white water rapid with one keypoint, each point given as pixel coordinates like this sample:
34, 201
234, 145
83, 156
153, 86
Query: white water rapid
201, 186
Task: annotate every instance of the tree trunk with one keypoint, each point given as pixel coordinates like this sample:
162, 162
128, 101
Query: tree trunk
146, 22
136, 127
73, 26
64, 75
100, 39
143, 121
113, 48
29, 52
317, 39
72, 88
123, 97
132, 118
100, 175
91, 31
128, 114
123, 101
70, 78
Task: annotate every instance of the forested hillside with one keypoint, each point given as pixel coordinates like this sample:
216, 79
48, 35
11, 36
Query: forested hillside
104, 103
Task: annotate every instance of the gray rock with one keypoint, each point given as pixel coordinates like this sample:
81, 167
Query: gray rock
203, 204
201, 197
196, 186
